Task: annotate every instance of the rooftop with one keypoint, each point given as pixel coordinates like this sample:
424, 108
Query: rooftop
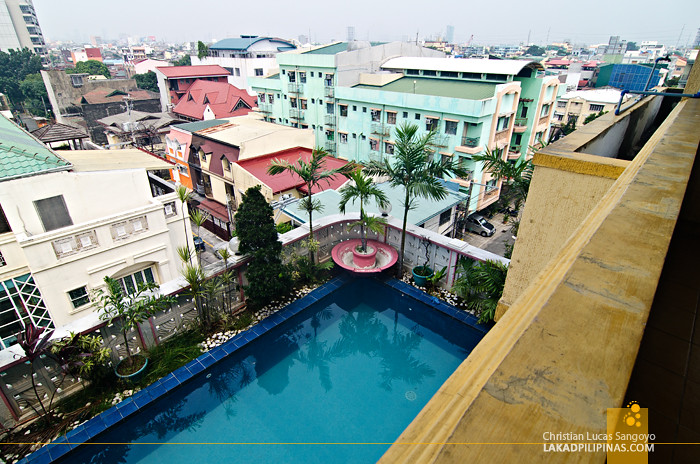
110, 160
423, 211
509, 67
286, 181
243, 42
437, 87
58, 132
175, 72
222, 98
243, 128
199, 125
155, 120
22, 155
598, 95
98, 96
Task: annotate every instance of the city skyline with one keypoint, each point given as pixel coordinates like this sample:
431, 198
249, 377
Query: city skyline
594, 23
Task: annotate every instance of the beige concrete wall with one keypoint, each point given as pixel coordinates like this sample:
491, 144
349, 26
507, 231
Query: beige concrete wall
563, 192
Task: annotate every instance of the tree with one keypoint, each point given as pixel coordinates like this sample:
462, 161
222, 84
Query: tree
593, 116
15, 66
184, 196
147, 81
414, 168
131, 308
570, 126
534, 50
255, 228
632, 46
202, 50
481, 285
362, 188
35, 95
517, 176
91, 67
313, 174
199, 218
184, 61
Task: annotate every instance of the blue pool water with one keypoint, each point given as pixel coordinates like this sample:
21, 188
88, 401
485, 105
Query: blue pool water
355, 367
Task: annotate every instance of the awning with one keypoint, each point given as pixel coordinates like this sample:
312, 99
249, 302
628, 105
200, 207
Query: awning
214, 208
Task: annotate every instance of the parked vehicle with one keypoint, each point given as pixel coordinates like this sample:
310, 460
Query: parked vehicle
477, 224
199, 243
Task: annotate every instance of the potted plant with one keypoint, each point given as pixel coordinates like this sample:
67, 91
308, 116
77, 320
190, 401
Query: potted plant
364, 255
131, 309
422, 273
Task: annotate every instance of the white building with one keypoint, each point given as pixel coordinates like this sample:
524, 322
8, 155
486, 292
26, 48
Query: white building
246, 56
19, 27
68, 221
579, 104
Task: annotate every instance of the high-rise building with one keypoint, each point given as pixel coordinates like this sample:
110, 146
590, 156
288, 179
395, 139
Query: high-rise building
351, 33
19, 27
696, 42
450, 34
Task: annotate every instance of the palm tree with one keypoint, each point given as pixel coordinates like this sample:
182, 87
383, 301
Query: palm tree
199, 218
414, 168
312, 173
364, 189
372, 223
517, 175
184, 196
481, 285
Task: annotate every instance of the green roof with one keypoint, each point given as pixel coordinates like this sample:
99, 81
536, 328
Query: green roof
22, 155
437, 87
423, 211
199, 125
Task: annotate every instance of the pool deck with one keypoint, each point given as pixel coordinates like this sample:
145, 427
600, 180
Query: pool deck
88, 430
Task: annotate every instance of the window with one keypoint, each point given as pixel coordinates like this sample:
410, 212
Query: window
312, 74
449, 74
388, 148
329, 80
596, 108
130, 283
405, 114
330, 135
170, 210
451, 127
354, 107
2, 260
503, 123
518, 138
427, 72
431, 124
226, 164
364, 109
545, 110
364, 137
313, 101
293, 102
561, 104
330, 108
258, 71
523, 112
374, 144
4, 225
79, 297
292, 76
343, 137
412, 72
445, 217
391, 117
270, 98
53, 213
303, 104
343, 110
302, 77
238, 71
376, 115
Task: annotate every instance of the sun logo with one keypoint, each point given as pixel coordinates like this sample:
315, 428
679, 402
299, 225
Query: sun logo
632, 418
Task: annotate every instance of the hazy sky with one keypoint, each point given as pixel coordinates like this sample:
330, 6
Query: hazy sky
491, 22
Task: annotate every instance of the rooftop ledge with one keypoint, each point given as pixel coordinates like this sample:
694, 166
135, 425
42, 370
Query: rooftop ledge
564, 351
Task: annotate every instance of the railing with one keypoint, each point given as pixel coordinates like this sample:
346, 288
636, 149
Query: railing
295, 87
330, 146
441, 141
380, 129
471, 142
296, 113
264, 107
330, 120
521, 121
543, 120
329, 91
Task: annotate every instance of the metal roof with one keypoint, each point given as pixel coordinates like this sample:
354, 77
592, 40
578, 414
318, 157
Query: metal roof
509, 67
242, 43
23, 155
595, 96
424, 209
468, 90
203, 70
199, 125
58, 132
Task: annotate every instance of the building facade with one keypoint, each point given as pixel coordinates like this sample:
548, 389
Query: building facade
580, 104
173, 81
19, 27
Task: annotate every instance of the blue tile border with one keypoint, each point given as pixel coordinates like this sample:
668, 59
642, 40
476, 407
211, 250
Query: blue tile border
101, 422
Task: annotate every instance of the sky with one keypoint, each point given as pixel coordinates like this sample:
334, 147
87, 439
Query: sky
490, 22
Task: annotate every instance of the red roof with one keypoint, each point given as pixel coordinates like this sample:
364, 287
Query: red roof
193, 71
110, 96
93, 53
286, 181
558, 63
224, 99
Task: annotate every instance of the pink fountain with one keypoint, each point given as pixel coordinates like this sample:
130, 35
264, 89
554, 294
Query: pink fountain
379, 256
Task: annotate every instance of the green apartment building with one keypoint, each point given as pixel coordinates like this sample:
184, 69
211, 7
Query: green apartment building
473, 105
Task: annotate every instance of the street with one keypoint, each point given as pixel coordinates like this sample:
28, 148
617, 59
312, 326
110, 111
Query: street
497, 242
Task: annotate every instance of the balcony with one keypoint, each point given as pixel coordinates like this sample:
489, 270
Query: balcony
265, 107
295, 87
329, 91
520, 125
380, 129
502, 138
471, 142
330, 146
330, 120
441, 141
296, 113
543, 121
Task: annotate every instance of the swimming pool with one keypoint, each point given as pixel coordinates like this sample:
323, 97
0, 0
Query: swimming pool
355, 366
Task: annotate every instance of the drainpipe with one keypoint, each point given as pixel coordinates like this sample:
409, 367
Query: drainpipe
618, 110
656, 61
